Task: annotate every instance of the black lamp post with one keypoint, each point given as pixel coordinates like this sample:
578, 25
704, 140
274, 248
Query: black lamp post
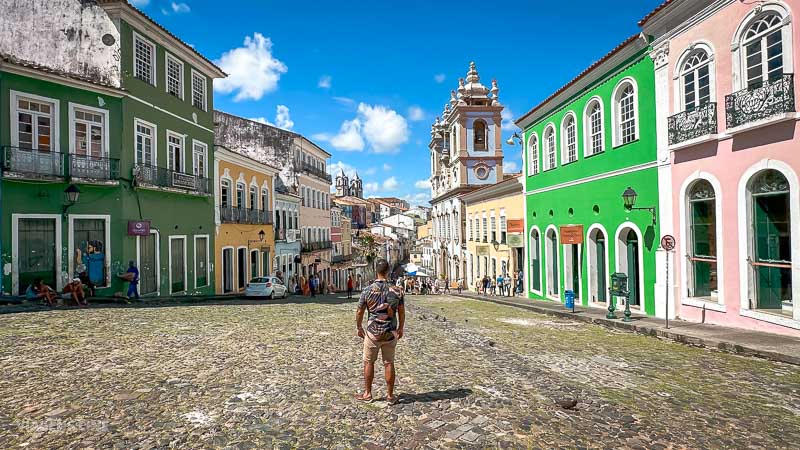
71, 195
629, 200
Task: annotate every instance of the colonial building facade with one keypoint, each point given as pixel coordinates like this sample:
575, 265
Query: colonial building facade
726, 102
127, 127
466, 149
245, 238
584, 147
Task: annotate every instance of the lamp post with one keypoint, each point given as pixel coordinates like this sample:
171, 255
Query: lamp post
629, 200
71, 195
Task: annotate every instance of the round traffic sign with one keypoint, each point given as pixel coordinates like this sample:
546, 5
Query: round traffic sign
668, 242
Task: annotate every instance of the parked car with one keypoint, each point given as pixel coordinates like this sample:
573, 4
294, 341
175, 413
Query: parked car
269, 287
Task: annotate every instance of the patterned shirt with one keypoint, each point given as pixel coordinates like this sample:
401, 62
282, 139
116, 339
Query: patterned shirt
382, 300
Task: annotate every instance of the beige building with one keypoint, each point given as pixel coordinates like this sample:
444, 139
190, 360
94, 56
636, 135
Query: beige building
494, 230
314, 181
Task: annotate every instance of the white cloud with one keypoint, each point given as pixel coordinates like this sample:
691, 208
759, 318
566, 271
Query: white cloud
415, 113
323, 137
252, 70
349, 137
370, 187
510, 167
179, 8
345, 101
423, 184
387, 167
282, 119
508, 120
439, 78
390, 184
325, 82
371, 171
139, 3
419, 198
383, 128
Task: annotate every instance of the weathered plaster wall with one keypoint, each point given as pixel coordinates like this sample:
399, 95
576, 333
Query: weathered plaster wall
63, 35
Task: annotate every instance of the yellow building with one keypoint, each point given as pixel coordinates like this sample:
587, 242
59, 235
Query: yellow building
245, 238
494, 228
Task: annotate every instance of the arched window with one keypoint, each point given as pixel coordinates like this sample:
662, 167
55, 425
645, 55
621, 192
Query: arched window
550, 148
594, 127
253, 197
535, 249
696, 80
703, 240
240, 201
625, 113
479, 138
225, 194
265, 199
771, 242
763, 50
533, 154
569, 136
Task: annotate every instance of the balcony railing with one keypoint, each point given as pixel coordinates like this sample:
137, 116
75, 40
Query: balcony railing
757, 103
692, 124
314, 246
31, 162
166, 178
231, 214
317, 172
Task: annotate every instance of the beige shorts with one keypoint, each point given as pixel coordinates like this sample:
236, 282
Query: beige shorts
386, 348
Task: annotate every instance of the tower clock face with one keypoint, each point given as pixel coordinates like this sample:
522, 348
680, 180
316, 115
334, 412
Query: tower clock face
481, 171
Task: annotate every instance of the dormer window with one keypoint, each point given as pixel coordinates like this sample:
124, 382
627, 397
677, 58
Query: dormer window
479, 131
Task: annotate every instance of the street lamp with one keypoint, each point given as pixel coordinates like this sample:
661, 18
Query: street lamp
629, 200
511, 140
71, 195
495, 244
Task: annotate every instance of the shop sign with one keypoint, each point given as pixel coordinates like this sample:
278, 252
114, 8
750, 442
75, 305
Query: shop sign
515, 240
138, 228
482, 250
571, 234
516, 226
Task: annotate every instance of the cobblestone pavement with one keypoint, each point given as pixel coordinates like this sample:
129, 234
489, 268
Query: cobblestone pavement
470, 375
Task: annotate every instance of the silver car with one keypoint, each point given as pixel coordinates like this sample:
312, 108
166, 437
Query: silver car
268, 287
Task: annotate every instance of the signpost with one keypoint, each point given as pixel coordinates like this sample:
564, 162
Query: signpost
668, 244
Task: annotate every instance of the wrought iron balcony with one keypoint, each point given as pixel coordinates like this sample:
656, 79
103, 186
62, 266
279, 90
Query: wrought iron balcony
314, 246
762, 102
692, 124
233, 214
145, 174
36, 163
317, 172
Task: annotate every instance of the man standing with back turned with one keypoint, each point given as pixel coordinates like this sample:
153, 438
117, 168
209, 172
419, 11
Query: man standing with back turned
384, 328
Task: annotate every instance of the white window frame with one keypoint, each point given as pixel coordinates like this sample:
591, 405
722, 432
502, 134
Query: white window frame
171, 157
565, 138
72, 107
57, 218
738, 56
679, 100
616, 116
185, 264
587, 127
153, 79
533, 157
205, 89
107, 243
208, 260
181, 88
154, 127
54, 120
552, 129
196, 143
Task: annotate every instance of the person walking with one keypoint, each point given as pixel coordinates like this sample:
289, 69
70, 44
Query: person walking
500, 284
349, 286
133, 287
385, 323
447, 285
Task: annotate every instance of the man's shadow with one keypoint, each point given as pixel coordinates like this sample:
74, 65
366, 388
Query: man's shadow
432, 396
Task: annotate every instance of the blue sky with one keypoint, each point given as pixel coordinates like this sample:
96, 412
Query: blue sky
365, 79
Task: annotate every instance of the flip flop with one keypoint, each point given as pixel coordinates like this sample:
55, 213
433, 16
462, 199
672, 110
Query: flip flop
392, 400
362, 398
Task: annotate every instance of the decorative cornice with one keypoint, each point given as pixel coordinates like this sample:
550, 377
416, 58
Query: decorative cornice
660, 55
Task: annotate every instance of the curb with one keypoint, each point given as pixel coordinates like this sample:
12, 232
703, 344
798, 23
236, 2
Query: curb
710, 343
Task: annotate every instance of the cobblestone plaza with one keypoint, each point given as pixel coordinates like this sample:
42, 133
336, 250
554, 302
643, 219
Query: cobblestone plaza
471, 374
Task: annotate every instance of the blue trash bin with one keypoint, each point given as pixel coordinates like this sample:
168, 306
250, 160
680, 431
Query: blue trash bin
569, 299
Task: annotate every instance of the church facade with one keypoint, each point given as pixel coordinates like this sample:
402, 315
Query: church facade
466, 151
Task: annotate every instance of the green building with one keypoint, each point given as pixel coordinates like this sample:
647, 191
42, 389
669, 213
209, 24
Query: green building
107, 161
584, 146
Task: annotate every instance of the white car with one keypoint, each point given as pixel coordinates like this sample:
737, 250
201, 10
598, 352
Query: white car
269, 287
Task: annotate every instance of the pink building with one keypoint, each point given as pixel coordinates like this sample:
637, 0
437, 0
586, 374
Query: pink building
730, 153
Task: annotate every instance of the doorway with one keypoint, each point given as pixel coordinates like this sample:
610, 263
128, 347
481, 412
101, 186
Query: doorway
148, 264
598, 271
36, 244
227, 270
241, 268
629, 262
572, 269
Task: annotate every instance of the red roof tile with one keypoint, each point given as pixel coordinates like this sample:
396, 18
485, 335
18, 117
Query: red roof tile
654, 12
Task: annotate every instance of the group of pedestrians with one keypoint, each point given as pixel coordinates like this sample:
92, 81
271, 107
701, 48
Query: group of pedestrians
503, 285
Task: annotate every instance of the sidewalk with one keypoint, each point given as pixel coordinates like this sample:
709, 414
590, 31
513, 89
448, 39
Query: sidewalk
734, 340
